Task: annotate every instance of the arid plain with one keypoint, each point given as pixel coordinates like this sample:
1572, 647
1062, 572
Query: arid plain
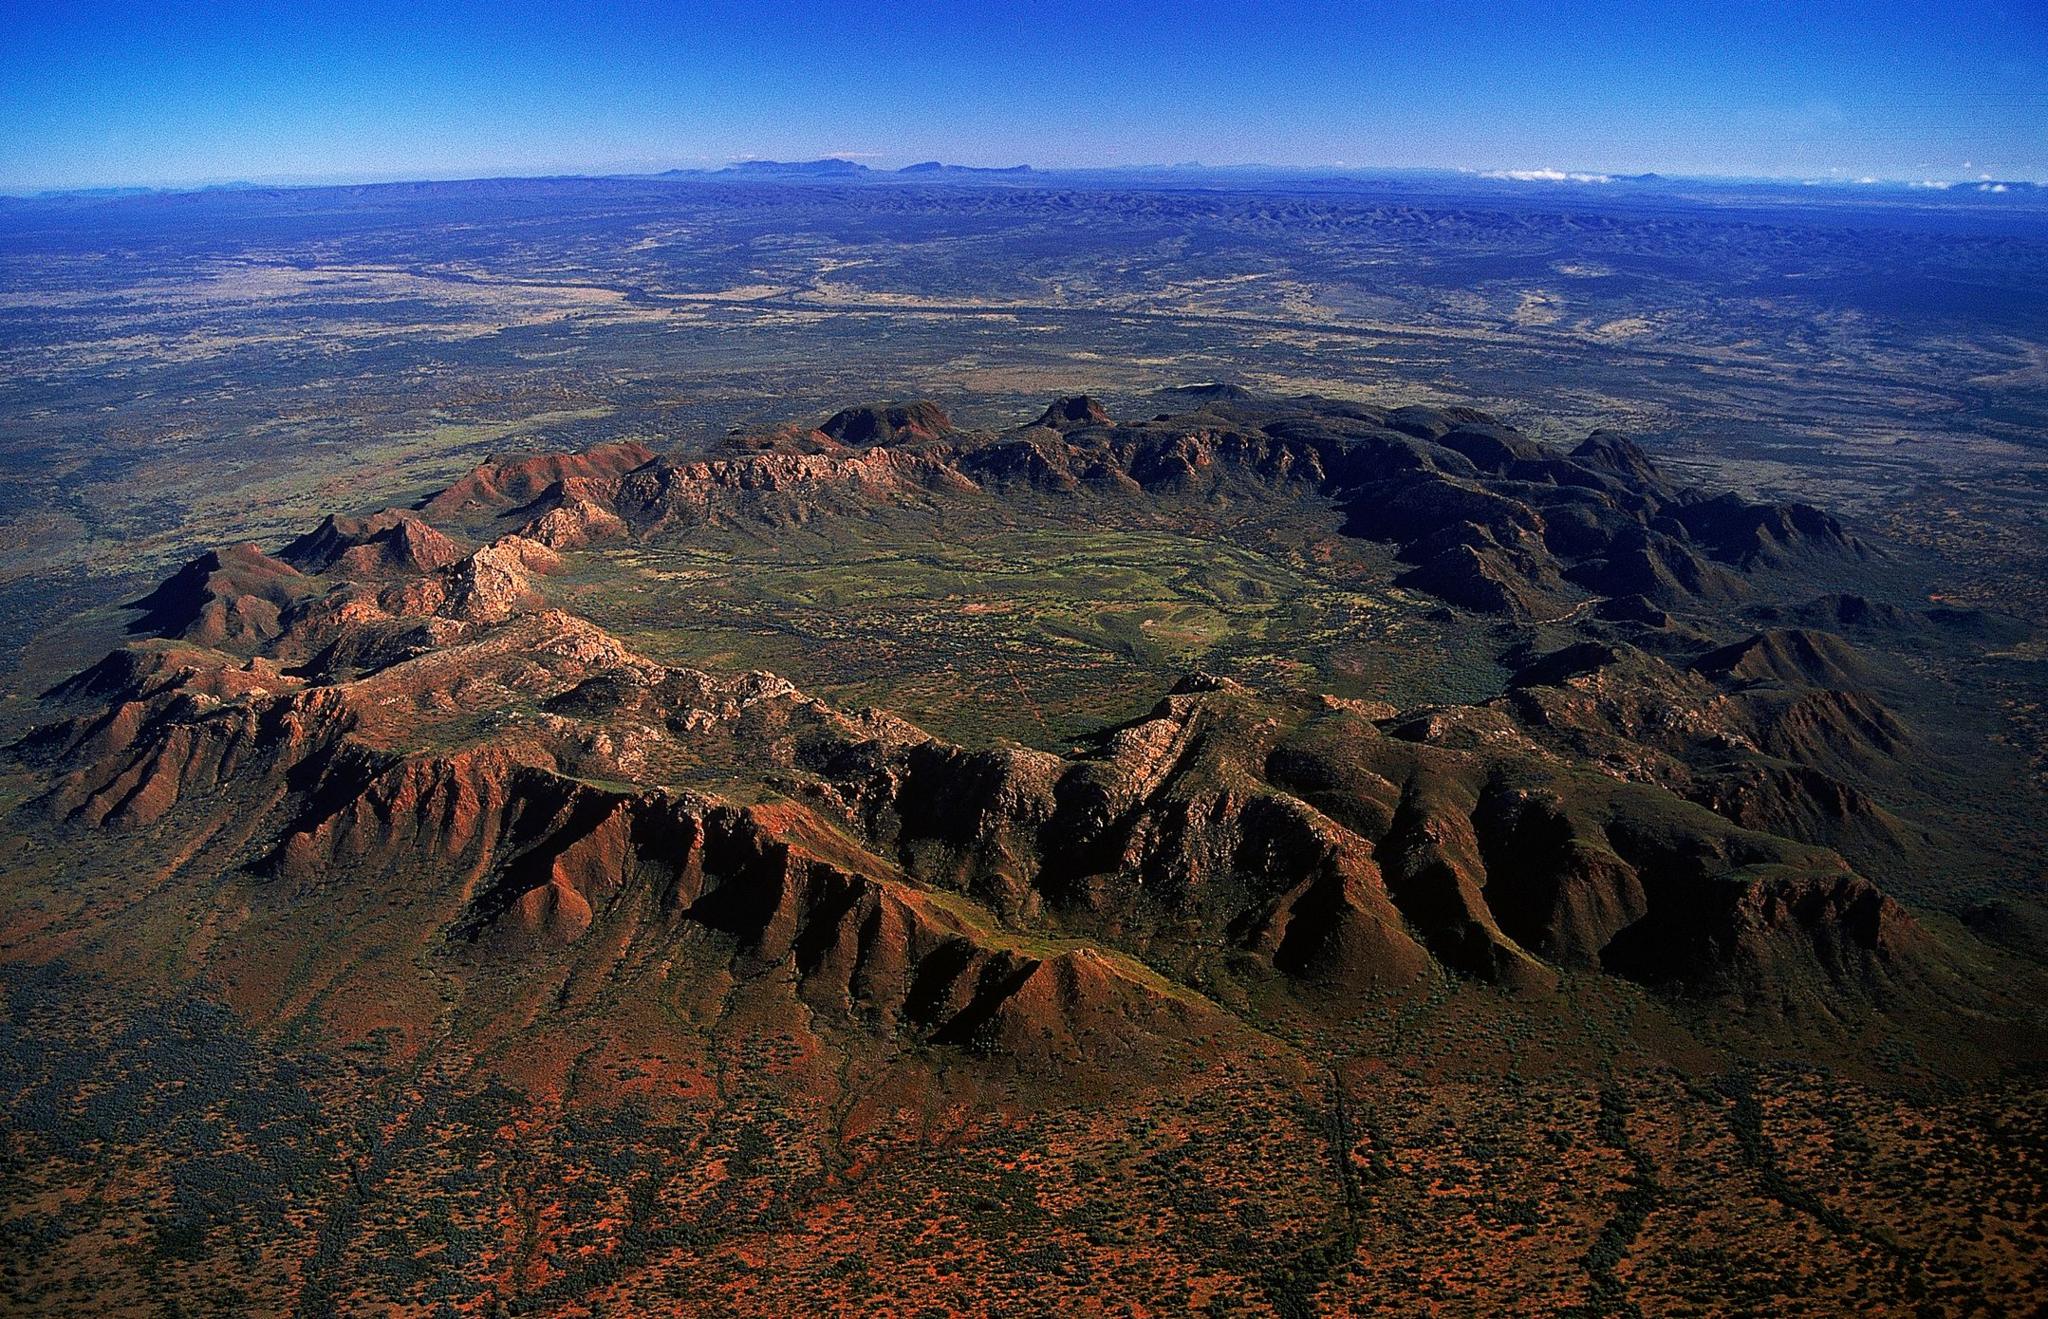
1136, 745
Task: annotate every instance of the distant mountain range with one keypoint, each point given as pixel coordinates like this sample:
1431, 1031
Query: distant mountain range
836, 169
833, 167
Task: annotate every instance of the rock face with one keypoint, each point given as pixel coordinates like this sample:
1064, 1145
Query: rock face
1074, 410
901, 423
387, 542
396, 714
1794, 656
235, 594
513, 481
1337, 853
1488, 519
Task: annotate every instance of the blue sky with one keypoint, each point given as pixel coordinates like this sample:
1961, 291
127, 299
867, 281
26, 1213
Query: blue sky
168, 93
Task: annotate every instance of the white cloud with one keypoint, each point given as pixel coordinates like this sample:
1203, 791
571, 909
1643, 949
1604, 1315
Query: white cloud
1942, 185
1545, 176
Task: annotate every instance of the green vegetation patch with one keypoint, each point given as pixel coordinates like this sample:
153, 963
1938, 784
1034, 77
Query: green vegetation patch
984, 628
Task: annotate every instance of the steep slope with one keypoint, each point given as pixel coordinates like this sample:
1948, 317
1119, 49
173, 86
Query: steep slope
1339, 854
427, 709
1490, 520
380, 719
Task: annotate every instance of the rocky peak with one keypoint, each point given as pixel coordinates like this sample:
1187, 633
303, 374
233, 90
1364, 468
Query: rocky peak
1074, 410
893, 423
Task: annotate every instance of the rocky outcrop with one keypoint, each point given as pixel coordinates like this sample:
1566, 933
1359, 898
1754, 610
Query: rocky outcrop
1073, 411
1754, 729
1794, 656
1339, 855
894, 423
235, 595
378, 710
573, 523
537, 857
394, 541
1749, 535
1489, 519
510, 482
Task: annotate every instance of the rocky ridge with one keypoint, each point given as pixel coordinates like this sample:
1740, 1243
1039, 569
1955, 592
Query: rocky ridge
396, 705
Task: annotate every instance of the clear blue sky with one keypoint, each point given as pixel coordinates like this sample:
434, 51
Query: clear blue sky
167, 93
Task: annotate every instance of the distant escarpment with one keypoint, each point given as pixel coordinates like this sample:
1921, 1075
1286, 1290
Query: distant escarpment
397, 704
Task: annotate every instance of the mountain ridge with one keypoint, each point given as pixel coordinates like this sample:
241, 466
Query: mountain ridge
413, 699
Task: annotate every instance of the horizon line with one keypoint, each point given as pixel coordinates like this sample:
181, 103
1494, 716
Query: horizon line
854, 167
